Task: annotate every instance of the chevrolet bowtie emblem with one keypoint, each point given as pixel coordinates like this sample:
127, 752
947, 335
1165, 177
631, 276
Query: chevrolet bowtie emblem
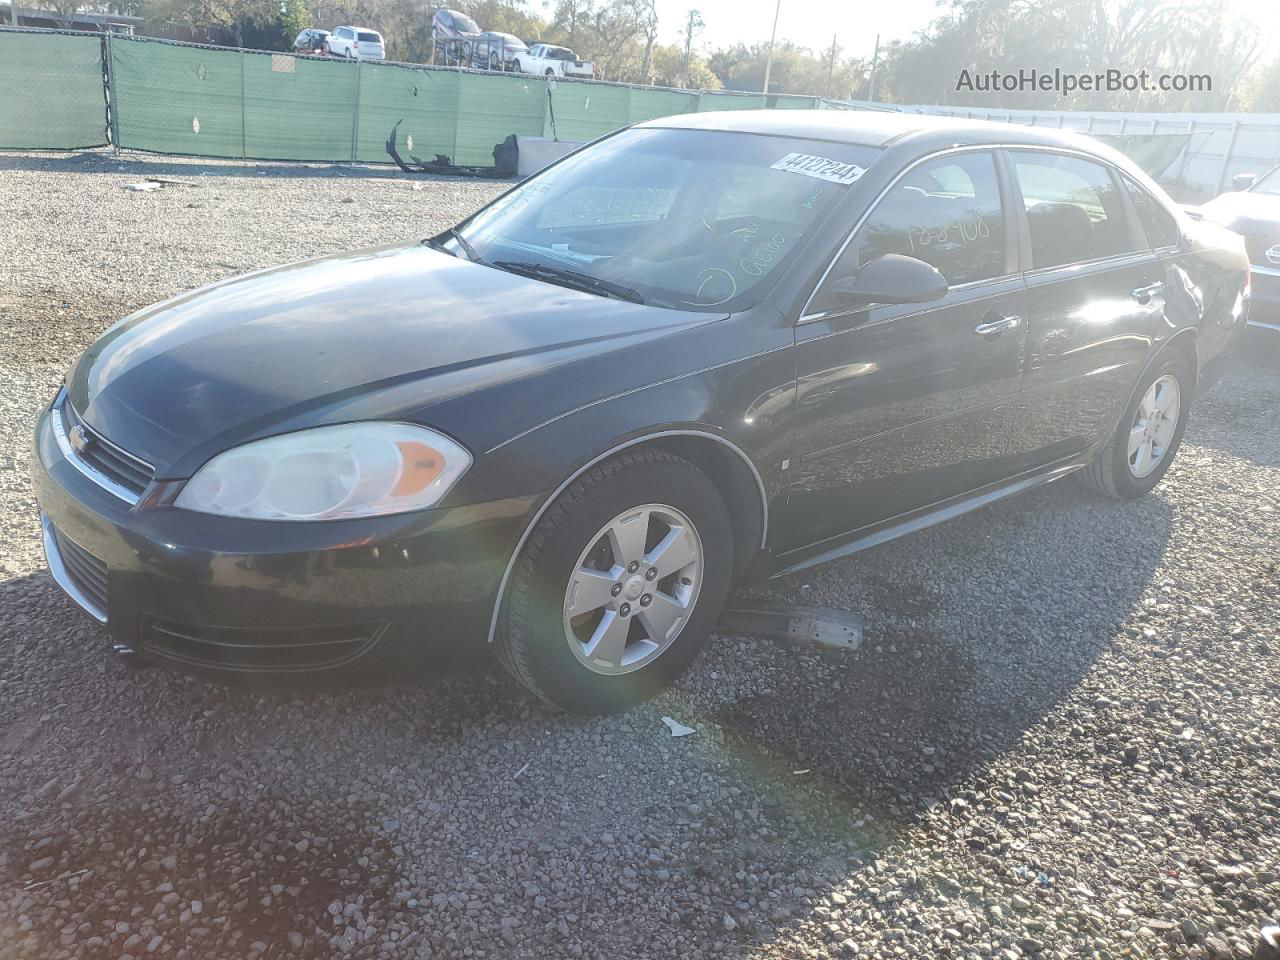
79, 438
1274, 254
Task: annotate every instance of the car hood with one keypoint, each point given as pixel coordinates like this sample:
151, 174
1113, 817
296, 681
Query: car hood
1251, 213
269, 351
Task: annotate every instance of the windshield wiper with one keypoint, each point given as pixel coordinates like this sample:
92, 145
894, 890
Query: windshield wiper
571, 278
453, 234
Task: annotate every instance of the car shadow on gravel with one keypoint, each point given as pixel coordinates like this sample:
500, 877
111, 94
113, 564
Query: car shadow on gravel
970, 646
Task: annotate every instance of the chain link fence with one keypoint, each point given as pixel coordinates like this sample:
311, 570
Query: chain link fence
162, 96
53, 92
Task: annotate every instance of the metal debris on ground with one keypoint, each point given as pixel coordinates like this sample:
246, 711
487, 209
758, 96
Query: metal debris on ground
677, 728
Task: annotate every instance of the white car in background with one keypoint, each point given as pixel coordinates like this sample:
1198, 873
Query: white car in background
356, 43
552, 61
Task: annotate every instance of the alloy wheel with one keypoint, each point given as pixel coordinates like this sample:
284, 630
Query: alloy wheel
1154, 426
633, 589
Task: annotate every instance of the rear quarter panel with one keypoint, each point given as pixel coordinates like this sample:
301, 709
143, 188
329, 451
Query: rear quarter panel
1208, 277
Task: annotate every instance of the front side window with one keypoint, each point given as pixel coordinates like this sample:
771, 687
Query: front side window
686, 219
1158, 223
1074, 211
946, 212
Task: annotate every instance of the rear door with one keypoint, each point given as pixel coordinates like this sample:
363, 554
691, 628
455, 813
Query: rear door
1095, 294
904, 406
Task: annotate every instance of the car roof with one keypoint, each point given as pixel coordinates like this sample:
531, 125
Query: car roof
874, 128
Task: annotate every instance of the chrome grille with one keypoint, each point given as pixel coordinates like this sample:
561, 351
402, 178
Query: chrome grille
112, 468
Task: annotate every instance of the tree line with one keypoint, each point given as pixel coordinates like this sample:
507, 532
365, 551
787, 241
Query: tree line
968, 38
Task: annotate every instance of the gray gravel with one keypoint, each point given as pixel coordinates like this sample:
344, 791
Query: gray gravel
1060, 739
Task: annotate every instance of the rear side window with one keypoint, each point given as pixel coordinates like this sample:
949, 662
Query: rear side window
1157, 222
1074, 210
945, 212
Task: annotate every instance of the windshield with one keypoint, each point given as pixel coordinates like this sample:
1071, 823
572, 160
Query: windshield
686, 219
1270, 183
464, 24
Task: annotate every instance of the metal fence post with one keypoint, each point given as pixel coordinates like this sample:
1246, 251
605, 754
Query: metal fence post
355, 118
113, 103
1186, 151
244, 144
1226, 157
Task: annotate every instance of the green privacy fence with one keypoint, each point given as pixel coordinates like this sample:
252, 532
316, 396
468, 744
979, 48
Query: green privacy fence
52, 93
179, 98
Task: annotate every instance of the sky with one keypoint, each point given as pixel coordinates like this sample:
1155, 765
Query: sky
809, 23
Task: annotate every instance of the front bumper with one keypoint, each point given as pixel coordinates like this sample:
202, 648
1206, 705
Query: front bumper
365, 600
1264, 307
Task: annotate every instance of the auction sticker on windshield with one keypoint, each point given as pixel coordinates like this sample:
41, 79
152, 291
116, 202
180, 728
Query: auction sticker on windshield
822, 168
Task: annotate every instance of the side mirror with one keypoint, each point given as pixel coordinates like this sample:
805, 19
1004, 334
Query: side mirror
892, 278
1243, 181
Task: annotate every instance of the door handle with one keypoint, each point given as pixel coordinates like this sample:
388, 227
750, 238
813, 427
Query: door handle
1145, 293
993, 328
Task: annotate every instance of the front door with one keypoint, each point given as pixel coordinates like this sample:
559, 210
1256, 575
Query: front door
904, 406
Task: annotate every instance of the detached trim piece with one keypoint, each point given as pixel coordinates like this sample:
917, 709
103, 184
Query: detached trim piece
551, 498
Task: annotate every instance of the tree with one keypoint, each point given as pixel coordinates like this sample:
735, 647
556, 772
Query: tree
1264, 89
1082, 37
670, 69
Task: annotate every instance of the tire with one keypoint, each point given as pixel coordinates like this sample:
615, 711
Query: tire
550, 72
1115, 473
495, 63
549, 649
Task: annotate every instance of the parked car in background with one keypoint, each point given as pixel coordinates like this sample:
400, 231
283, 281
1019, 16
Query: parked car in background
356, 43
1253, 211
452, 24
497, 51
453, 34
705, 350
311, 41
552, 61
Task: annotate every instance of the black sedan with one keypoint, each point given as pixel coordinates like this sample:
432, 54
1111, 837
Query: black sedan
703, 350
1253, 211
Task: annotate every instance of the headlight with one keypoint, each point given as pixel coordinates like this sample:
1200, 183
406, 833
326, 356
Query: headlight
329, 473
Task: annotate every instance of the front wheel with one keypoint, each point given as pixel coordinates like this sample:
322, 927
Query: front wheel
621, 581
1150, 432
550, 72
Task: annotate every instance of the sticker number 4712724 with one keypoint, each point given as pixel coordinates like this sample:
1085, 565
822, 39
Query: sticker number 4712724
821, 168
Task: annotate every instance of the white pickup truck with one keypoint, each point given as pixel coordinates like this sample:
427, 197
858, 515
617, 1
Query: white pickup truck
546, 60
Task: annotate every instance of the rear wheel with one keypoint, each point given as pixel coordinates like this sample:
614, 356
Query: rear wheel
1144, 445
619, 584
550, 72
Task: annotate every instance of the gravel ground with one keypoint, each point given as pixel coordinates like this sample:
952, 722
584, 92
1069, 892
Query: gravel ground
1060, 739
